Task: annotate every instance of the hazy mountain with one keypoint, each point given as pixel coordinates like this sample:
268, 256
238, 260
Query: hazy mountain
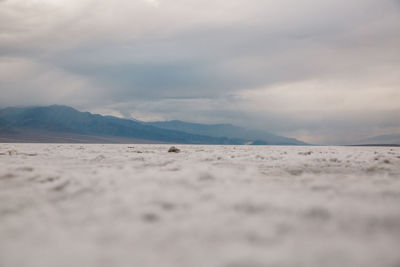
392, 139
65, 123
228, 130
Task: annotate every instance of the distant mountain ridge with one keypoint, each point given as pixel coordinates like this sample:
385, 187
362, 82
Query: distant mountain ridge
64, 123
393, 139
62, 119
228, 130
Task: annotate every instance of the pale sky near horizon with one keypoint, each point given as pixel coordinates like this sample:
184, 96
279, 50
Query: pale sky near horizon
322, 71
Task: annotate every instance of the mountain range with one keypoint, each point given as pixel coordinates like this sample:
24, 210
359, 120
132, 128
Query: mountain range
390, 139
67, 125
227, 130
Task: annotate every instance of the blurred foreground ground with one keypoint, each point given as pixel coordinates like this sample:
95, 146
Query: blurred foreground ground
222, 206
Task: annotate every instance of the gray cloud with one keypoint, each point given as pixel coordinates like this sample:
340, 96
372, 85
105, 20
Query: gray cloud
324, 71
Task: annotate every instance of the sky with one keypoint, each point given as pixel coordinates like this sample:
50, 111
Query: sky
326, 72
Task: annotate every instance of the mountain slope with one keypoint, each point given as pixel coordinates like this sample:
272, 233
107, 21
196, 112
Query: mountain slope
61, 119
228, 130
393, 139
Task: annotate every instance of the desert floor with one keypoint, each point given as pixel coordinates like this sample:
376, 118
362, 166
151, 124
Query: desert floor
223, 206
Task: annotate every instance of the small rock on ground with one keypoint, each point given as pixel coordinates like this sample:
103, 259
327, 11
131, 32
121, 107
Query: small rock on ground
173, 149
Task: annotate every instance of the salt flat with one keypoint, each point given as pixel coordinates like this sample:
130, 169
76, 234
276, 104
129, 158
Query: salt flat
228, 206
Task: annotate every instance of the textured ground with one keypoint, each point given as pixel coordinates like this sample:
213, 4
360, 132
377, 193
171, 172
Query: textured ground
138, 205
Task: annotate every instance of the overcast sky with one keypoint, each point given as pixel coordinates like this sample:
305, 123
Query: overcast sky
322, 71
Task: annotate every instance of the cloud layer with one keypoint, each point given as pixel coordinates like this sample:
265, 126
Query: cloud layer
325, 71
